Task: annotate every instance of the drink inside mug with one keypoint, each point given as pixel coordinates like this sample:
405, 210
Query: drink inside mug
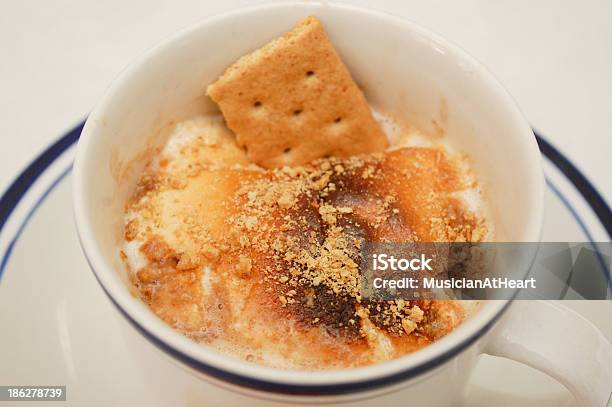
241, 256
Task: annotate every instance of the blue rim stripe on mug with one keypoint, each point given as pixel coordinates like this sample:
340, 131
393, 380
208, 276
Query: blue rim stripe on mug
582, 184
23, 182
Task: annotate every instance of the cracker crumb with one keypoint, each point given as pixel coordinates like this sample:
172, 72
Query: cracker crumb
244, 266
408, 325
188, 261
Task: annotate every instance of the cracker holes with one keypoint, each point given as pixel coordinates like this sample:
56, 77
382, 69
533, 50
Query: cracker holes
258, 111
297, 112
337, 127
287, 150
310, 79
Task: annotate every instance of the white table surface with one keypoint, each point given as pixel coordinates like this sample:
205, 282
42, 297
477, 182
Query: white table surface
555, 57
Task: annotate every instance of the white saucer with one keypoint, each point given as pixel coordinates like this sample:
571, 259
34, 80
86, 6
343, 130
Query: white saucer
58, 328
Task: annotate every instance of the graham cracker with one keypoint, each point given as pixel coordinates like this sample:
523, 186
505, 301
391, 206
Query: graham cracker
293, 101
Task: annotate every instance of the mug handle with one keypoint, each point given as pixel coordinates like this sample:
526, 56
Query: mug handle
559, 342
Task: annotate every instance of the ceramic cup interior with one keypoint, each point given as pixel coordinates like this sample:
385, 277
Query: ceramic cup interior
401, 67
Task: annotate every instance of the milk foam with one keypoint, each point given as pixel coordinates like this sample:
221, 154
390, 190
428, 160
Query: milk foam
200, 129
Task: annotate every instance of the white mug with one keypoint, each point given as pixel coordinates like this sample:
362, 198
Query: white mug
401, 68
